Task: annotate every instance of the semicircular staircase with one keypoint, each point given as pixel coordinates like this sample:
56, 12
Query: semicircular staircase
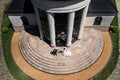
85, 52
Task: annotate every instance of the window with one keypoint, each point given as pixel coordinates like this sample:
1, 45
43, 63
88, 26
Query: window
77, 22
24, 20
61, 28
45, 27
98, 20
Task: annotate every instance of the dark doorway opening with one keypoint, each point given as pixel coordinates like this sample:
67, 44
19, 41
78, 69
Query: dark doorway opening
98, 20
44, 25
77, 21
29, 28
24, 20
61, 28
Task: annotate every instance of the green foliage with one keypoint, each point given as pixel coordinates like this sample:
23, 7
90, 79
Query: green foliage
114, 3
115, 52
6, 41
114, 29
114, 23
5, 24
16, 72
114, 57
5, 29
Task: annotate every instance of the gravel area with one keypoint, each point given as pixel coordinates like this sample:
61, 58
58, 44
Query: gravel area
116, 73
4, 72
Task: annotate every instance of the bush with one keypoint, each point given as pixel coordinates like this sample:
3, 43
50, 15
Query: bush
5, 29
114, 29
6, 42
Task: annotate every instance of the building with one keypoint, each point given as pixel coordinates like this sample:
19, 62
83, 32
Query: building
60, 23
56, 17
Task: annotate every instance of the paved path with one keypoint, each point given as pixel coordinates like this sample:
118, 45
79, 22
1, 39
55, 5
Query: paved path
116, 73
4, 73
83, 75
85, 52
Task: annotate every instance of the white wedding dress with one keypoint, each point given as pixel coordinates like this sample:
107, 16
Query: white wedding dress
66, 53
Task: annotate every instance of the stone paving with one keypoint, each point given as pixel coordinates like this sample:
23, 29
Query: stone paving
82, 75
4, 72
85, 52
116, 73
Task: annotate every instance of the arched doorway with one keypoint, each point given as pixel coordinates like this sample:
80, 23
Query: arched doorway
61, 28
98, 20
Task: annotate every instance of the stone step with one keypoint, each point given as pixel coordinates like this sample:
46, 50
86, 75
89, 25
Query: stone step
87, 58
38, 55
32, 55
36, 52
50, 59
35, 59
50, 70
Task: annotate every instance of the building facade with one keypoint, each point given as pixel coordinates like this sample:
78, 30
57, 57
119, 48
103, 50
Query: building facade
60, 22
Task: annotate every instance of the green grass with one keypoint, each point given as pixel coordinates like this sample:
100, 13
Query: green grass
19, 75
115, 21
6, 41
115, 53
114, 57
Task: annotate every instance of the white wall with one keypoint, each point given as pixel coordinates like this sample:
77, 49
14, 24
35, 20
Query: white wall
16, 19
90, 21
31, 19
17, 22
106, 21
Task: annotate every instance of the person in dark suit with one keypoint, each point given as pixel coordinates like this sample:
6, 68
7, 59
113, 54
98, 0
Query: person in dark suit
54, 52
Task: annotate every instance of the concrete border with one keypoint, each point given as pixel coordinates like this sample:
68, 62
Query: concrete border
116, 73
83, 75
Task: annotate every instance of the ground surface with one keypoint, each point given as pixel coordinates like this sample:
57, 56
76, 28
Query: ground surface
4, 73
85, 52
83, 75
116, 73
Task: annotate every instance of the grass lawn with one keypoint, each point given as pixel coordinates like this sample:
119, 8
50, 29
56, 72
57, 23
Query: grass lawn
19, 75
115, 53
112, 63
6, 41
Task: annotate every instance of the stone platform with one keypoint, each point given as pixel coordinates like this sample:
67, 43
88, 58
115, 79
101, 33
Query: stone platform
85, 52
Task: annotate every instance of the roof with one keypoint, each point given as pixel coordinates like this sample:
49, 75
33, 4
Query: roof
102, 6
20, 6
96, 6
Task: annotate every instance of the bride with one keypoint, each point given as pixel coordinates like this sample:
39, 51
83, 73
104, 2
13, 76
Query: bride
66, 52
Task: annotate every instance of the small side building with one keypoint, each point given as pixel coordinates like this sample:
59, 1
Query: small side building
100, 13
21, 14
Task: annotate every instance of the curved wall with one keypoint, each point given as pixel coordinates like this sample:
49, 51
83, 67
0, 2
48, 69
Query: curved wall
66, 17
61, 6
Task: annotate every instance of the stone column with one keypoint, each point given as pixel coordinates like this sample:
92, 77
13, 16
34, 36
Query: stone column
82, 22
51, 23
38, 22
71, 17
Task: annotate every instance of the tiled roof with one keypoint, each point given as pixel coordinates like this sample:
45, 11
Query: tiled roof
102, 6
96, 6
20, 6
